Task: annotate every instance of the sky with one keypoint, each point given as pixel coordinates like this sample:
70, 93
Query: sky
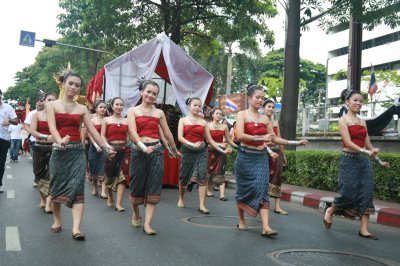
41, 17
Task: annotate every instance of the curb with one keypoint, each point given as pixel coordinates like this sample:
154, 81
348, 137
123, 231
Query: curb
383, 214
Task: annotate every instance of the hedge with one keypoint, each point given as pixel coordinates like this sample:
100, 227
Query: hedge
319, 170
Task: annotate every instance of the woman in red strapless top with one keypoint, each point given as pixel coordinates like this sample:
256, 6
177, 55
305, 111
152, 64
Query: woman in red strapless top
114, 131
193, 168
275, 164
355, 170
68, 162
147, 160
217, 157
96, 158
41, 156
251, 166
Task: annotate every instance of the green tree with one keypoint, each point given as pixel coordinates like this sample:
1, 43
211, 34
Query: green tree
312, 78
300, 14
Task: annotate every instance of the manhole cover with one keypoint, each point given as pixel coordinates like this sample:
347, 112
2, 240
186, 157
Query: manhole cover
220, 221
326, 257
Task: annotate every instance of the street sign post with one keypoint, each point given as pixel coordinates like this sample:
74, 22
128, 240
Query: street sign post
27, 38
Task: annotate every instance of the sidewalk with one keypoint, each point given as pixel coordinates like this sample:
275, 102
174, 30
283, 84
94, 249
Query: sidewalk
386, 213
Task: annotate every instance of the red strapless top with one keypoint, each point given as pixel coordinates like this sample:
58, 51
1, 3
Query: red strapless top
43, 127
358, 134
147, 126
250, 128
68, 124
275, 128
116, 132
98, 128
193, 133
217, 135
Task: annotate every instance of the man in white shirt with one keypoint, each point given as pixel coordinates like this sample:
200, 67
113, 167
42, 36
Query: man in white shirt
7, 117
16, 141
28, 122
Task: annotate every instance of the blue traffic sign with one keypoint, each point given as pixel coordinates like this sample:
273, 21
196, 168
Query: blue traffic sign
27, 38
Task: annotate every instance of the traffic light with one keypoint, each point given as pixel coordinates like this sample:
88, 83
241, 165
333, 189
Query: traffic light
49, 43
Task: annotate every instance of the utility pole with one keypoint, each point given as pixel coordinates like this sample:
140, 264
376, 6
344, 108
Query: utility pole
355, 48
229, 70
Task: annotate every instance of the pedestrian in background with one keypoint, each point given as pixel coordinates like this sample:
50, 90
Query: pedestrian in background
16, 140
114, 132
28, 122
193, 167
275, 164
96, 156
67, 162
356, 178
43, 148
7, 117
217, 157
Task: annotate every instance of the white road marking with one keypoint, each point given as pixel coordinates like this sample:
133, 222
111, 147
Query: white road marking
9, 176
10, 194
12, 239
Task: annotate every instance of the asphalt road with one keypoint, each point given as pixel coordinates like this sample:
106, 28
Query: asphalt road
185, 237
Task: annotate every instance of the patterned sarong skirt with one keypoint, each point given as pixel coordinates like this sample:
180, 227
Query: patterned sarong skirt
356, 185
96, 163
41, 160
193, 168
275, 174
216, 166
113, 167
251, 169
146, 171
67, 174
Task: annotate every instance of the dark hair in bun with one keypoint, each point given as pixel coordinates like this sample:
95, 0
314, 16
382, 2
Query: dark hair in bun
96, 105
190, 100
351, 93
63, 78
267, 101
47, 94
251, 89
144, 83
215, 109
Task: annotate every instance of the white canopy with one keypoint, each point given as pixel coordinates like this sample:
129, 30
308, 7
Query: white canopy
163, 61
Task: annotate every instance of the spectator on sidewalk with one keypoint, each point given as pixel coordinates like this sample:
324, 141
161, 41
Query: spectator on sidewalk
7, 117
356, 178
16, 140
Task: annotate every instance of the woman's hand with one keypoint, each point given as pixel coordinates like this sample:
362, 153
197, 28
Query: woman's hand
198, 144
65, 140
303, 142
50, 138
374, 152
268, 137
149, 149
385, 165
284, 162
274, 155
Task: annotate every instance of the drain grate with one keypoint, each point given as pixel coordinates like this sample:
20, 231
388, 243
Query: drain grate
311, 257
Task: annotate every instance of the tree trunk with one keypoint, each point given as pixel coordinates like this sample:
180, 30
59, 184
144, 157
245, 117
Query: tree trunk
290, 96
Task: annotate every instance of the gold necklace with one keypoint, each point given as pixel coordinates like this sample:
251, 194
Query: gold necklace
118, 120
357, 122
193, 121
68, 108
253, 120
147, 113
217, 125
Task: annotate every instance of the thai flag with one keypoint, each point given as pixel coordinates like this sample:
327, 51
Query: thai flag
372, 87
230, 105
